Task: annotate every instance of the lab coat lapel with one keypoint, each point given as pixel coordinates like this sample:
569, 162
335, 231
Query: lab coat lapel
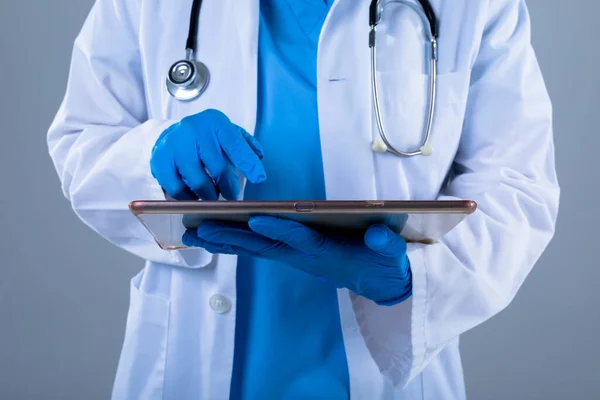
246, 19
344, 103
244, 58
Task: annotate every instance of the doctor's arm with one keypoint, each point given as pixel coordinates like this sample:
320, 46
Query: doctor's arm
101, 139
505, 162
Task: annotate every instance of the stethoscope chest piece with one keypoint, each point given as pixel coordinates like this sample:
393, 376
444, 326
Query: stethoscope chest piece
187, 79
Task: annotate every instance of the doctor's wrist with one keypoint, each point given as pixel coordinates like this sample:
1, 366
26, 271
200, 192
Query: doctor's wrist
397, 300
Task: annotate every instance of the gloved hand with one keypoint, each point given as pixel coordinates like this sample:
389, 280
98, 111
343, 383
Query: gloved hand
198, 156
374, 265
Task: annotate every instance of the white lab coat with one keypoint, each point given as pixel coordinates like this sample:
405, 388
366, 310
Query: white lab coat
493, 126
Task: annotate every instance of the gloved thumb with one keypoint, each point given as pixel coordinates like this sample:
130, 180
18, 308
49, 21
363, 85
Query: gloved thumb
382, 240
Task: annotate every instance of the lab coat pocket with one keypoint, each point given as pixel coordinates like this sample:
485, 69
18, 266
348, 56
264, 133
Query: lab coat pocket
141, 369
404, 98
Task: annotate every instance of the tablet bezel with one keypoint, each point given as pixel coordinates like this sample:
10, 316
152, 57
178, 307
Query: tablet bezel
140, 207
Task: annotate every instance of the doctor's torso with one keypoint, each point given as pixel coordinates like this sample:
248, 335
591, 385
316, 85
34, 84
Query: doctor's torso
492, 135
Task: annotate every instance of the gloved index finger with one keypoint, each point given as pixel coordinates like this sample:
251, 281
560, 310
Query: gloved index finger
241, 153
258, 150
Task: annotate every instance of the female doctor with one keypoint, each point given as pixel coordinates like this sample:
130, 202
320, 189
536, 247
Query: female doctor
283, 97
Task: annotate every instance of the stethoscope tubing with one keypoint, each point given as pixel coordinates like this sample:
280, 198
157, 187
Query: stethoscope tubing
194, 76
428, 17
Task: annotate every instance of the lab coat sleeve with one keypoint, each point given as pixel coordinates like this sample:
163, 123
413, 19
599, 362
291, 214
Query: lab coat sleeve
505, 162
101, 138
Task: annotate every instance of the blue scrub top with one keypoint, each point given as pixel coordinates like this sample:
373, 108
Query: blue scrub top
288, 338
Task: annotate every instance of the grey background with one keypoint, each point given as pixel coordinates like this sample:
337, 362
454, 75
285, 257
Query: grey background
62, 313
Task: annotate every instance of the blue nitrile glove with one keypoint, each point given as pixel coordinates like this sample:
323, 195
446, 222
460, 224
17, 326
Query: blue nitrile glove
198, 156
374, 265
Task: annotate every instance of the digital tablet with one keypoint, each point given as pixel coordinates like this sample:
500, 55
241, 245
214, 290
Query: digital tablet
416, 221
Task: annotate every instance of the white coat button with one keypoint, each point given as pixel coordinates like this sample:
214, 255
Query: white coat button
220, 304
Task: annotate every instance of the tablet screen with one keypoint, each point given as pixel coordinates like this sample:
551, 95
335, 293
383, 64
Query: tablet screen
168, 229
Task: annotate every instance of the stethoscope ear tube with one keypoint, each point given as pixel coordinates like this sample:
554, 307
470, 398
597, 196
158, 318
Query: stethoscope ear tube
194, 20
374, 15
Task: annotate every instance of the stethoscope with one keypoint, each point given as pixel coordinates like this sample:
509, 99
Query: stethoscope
188, 78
